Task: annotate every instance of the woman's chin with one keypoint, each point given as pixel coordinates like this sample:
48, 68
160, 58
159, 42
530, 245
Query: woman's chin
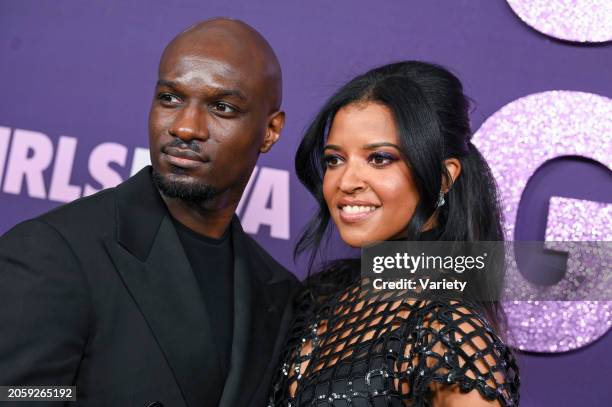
356, 242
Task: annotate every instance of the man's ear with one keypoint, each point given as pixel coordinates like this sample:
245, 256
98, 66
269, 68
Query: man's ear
453, 168
276, 121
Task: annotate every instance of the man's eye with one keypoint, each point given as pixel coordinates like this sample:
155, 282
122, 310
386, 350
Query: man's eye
168, 98
332, 161
381, 159
223, 107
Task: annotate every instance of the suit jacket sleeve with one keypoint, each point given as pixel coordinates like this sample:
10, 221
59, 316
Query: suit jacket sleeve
44, 307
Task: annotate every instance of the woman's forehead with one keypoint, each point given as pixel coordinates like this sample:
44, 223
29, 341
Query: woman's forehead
363, 123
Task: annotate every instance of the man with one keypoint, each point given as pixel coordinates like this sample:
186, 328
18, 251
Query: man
150, 293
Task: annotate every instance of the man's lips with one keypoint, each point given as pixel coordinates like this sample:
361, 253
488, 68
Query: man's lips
182, 158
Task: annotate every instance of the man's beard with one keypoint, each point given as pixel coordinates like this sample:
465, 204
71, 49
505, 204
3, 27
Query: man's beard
196, 193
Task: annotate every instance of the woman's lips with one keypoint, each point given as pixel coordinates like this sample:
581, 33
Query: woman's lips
356, 213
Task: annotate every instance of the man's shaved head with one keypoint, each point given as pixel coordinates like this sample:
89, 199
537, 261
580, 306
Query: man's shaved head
216, 108
236, 41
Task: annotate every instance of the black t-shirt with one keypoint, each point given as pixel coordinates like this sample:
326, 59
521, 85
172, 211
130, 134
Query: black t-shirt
212, 261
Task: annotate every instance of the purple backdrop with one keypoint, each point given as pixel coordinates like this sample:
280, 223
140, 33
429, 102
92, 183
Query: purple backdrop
86, 71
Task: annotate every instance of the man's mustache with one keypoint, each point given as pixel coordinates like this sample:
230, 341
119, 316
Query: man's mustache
192, 145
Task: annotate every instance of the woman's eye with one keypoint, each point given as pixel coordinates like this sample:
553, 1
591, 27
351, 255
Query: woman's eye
381, 159
332, 161
223, 107
168, 98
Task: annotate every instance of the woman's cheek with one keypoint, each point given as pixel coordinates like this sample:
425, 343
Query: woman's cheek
328, 189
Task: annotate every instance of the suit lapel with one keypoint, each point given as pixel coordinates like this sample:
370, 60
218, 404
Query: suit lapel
242, 319
258, 311
152, 263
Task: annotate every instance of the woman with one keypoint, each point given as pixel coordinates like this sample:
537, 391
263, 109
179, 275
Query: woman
389, 157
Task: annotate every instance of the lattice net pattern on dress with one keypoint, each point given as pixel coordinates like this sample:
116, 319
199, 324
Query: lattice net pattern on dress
382, 349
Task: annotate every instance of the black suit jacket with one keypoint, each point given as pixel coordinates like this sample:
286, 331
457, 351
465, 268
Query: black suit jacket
99, 294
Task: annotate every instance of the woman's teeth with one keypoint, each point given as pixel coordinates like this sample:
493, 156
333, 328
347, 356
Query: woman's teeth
357, 209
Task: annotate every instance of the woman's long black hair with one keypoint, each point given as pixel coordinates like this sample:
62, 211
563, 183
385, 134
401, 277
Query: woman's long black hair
432, 118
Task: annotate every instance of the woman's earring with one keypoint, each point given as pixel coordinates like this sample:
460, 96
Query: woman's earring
441, 200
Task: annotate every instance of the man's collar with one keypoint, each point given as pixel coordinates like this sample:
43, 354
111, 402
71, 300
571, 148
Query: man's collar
139, 210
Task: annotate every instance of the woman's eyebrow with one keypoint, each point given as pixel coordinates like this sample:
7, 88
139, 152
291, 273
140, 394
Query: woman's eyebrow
332, 147
381, 144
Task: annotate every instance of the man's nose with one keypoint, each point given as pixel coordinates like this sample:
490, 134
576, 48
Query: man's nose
352, 178
189, 124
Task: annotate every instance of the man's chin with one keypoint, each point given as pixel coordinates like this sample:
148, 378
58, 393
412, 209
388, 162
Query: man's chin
184, 187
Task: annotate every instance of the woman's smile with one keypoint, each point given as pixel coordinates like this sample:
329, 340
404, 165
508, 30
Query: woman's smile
356, 213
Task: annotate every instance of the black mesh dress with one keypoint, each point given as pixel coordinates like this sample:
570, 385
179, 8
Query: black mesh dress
359, 348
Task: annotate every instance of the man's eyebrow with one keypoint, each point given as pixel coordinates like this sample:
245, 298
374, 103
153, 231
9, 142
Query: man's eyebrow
214, 91
221, 93
169, 84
